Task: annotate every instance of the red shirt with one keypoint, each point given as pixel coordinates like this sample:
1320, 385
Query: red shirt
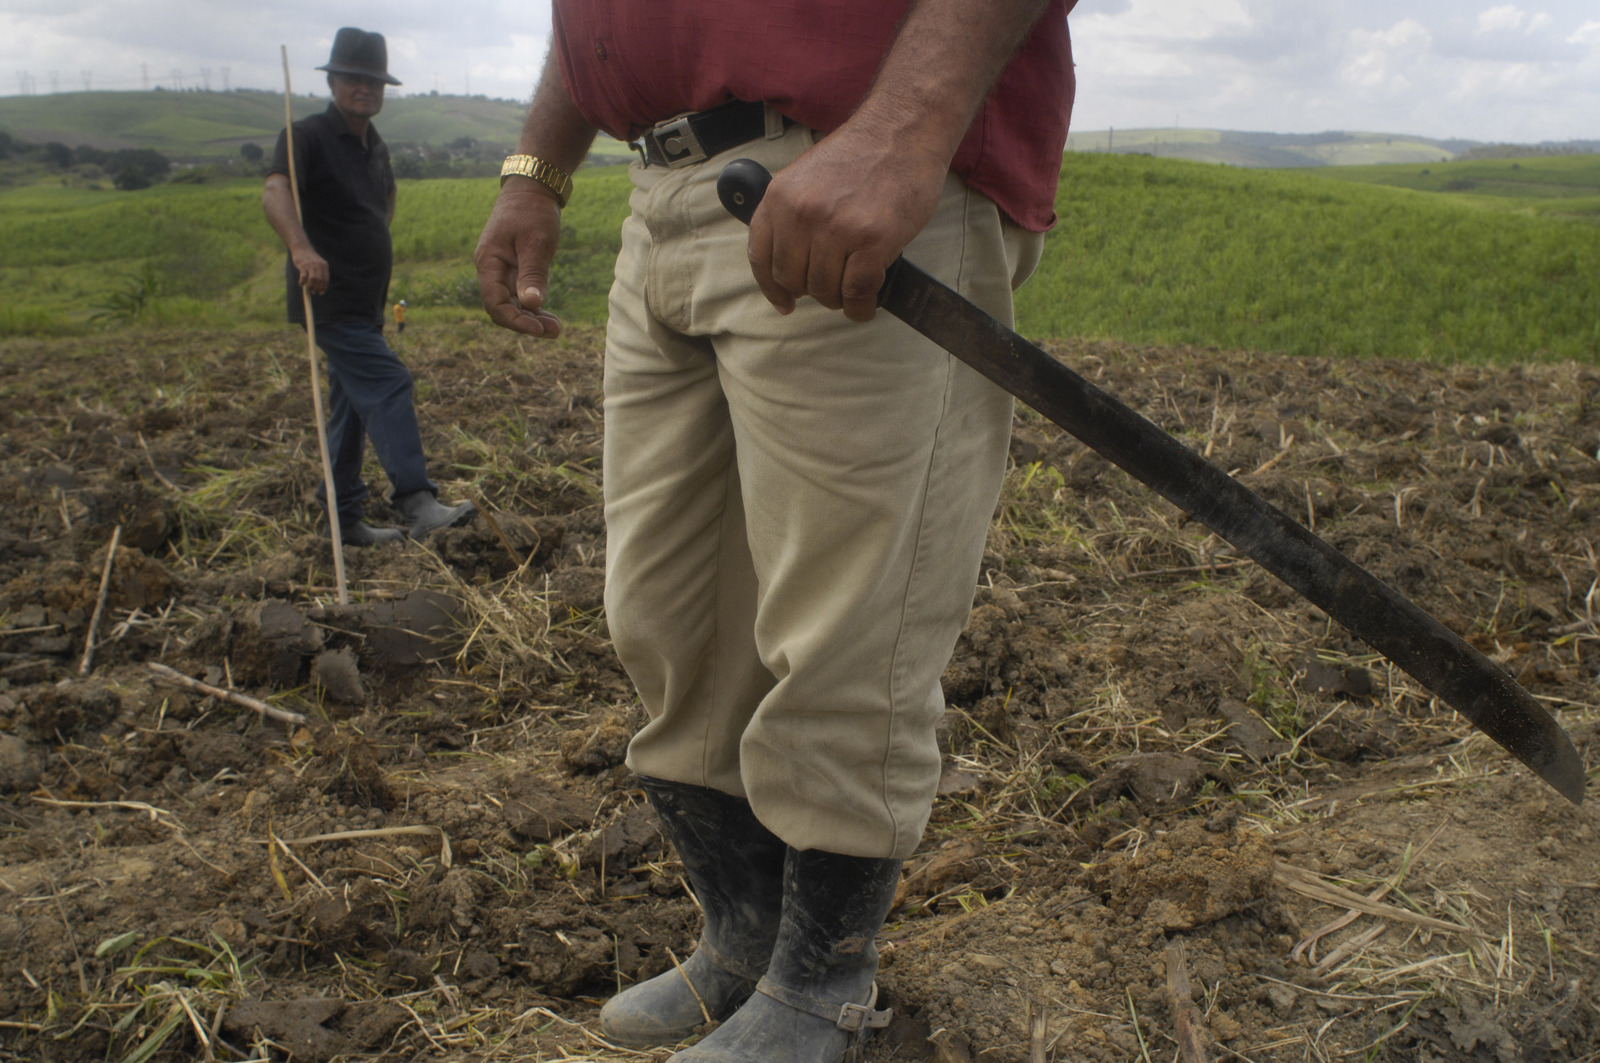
629, 64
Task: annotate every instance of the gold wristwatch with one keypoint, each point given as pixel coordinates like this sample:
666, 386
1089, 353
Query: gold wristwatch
556, 180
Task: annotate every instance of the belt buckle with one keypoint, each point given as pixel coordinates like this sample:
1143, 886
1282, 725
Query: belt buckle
678, 143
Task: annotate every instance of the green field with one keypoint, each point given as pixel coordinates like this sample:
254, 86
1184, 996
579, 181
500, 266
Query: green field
1266, 149
1560, 186
1381, 261
203, 254
1167, 251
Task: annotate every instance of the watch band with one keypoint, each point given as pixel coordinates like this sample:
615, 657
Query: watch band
553, 178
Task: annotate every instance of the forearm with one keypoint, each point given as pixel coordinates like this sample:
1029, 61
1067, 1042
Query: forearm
519, 240
946, 57
835, 218
277, 201
554, 130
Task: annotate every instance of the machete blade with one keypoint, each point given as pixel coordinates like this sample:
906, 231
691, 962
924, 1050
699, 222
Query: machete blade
1374, 612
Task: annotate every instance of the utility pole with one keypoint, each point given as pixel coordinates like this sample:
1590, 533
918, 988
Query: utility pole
55, 83
224, 79
144, 75
88, 75
1111, 137
177, 80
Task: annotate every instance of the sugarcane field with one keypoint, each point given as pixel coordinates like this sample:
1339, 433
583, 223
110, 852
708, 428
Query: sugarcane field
1183, 814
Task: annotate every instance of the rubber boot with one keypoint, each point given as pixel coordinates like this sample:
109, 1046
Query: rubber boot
360, 533
816, 1002
735, 866
427, 514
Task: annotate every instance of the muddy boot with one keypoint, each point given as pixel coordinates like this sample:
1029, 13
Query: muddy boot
735, 866
360, 533
816, 1002
427, 514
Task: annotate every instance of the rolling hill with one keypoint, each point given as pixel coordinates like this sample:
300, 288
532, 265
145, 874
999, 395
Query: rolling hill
196, 126
1269, 149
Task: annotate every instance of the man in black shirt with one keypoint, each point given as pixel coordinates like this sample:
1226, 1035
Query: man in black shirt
340, 252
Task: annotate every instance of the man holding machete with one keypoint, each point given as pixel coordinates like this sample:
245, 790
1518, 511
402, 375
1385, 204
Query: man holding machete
340, 252
796, 499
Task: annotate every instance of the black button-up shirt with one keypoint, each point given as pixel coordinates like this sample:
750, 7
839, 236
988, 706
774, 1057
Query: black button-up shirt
344, 203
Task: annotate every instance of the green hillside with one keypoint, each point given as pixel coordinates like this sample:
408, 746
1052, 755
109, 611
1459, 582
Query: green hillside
1267, 149
191, 125
194, 127
178, 254
1168, 251
1148, 250
179, 124
1561, 186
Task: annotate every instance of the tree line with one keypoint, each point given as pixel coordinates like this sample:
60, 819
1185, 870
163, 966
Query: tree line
128, 168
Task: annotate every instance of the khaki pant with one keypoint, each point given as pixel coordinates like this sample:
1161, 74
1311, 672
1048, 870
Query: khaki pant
796, 510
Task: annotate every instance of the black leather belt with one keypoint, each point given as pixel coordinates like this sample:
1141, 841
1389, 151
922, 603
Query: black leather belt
696, 137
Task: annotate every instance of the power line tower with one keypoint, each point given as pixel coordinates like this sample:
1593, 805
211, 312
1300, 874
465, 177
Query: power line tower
88, 76
205, 77
224, 79
144, 75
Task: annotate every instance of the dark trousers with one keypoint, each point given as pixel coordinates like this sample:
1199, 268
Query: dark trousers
369, 397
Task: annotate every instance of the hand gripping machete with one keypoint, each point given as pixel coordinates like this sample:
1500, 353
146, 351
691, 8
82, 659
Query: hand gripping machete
1377, 614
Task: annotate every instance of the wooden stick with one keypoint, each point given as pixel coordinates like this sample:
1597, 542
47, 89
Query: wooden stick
1308, 884
1038, 1032
1191, 1037
311, 351
174, 676
445, 856
100, 605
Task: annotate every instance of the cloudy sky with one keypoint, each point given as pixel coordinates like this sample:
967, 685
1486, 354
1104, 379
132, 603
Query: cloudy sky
1521, 71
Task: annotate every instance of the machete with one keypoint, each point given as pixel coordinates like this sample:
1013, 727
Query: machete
1374, 612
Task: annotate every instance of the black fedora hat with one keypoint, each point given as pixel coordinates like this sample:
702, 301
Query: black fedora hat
360, 53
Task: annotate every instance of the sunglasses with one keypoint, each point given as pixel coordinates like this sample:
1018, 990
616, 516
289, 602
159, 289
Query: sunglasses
365, 82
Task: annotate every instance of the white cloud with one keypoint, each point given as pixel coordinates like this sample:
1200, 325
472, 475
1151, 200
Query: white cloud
1167, 19
1384, 59
1490, 70
1508, 18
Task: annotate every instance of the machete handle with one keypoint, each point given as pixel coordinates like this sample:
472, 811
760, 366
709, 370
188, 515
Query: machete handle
740, 186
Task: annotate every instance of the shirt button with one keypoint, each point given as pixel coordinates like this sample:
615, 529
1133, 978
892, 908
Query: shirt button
600, 49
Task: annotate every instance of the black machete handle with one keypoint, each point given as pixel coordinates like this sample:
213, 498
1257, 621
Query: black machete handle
741, 185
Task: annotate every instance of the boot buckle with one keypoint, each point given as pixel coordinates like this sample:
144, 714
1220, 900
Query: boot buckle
851, 1018
856, 1018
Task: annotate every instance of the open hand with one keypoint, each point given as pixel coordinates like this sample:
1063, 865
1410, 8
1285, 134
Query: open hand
513, 258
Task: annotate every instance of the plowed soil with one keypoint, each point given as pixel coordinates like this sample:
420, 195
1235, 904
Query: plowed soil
1184, 814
